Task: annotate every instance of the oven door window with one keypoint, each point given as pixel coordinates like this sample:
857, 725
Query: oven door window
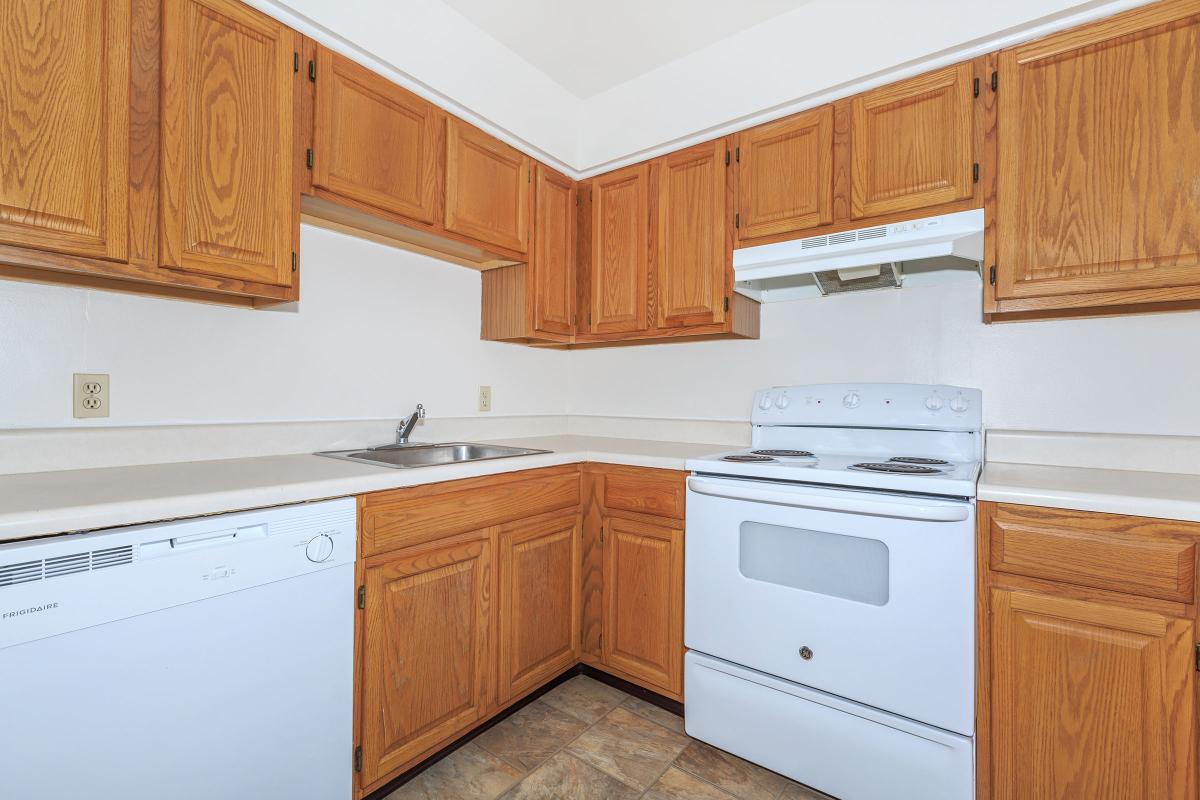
849, 567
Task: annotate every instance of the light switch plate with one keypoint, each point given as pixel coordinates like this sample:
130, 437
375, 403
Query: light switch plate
90, 395
485, 398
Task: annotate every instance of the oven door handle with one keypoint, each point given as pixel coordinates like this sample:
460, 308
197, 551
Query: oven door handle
948, 512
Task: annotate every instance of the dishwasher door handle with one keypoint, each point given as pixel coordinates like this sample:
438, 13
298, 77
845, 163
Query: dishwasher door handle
850, 504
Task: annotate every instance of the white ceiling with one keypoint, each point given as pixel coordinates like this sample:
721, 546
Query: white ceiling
588, 46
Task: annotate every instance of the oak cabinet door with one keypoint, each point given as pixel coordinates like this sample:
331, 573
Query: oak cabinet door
538, 572
785, 175
1099, 164
1089, 700
375, 142
911, 143
487, 188
619, 258
64, 126
553, 258
691, 256
425, 650
227, 191
643, 597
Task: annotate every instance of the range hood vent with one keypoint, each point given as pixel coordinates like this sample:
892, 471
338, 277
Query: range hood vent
867, 258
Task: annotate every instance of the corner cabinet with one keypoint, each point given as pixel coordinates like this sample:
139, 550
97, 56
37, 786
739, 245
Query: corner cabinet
229, 205
487, 188
1099, 178
1087, 662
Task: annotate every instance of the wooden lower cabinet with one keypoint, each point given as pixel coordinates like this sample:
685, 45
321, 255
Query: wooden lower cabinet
424, 677
1090, 700
456, 626
1084, 692
538, 576
643, 601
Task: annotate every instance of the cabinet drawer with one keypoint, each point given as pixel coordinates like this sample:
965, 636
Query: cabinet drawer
1133, 555
403, 517
659, 493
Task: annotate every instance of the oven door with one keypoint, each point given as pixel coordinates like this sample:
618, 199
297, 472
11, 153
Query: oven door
865, 595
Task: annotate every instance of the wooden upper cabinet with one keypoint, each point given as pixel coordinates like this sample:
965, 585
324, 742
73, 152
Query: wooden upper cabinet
229, 205
911, 143
538, 572
424, 650
1099, 171
643, 601
64, 124
487, 188
375, 142
553, 258
785, 175
1090, 700
692, 257
619, 250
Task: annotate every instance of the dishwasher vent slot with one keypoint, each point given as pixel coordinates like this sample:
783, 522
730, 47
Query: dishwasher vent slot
71, 564
20, 573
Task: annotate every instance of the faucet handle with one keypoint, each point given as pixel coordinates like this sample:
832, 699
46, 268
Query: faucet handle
420, 411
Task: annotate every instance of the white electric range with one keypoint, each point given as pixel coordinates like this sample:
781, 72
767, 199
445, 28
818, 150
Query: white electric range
829, 600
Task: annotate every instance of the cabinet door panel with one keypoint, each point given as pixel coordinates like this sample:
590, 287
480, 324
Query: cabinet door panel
487, 188
1099, 179
424, 659
539, 602
620, 232
553, 258
911, 143
228, 201
691, 258
1089, 700
64, 124
643, 592
374, 141
785, 175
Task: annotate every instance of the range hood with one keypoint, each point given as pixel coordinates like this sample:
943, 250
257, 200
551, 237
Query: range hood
867, 258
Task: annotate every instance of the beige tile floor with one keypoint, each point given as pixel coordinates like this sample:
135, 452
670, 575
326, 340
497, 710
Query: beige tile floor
587, 740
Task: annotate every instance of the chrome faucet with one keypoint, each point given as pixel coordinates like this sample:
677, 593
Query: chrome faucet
405, 428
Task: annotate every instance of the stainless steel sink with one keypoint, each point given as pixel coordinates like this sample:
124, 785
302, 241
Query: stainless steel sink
410, 456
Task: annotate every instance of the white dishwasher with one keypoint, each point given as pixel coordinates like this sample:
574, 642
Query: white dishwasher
200, 659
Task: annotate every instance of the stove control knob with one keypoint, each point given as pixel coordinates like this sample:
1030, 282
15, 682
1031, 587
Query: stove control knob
959, 404
782, 401
933, 403
319, 549
765, 402
852, 400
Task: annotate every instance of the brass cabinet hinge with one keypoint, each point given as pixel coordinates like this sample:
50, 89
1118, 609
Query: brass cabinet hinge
1197, 656
358, 758
362, 596
308, 158
293, 261
312, 70
975, 88
992, 274
295, 62
601, 534
737, 220
727, 158
726, 304
975, 172
995, 80
737, 154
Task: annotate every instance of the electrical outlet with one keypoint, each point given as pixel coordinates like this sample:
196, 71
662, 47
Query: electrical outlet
90, 395
485, 398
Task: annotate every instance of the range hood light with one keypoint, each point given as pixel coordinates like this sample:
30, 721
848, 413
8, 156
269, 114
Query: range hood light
857, 279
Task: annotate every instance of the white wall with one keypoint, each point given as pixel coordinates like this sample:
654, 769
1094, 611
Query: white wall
377, 331
1135, 374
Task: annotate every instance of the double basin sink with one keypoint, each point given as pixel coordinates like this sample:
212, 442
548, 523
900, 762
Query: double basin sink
409, 456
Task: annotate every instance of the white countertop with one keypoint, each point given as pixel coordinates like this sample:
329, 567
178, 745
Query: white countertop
42, 503
1138, 493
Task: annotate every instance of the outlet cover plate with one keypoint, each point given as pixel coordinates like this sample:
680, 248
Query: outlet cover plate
485, 398
90, 395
